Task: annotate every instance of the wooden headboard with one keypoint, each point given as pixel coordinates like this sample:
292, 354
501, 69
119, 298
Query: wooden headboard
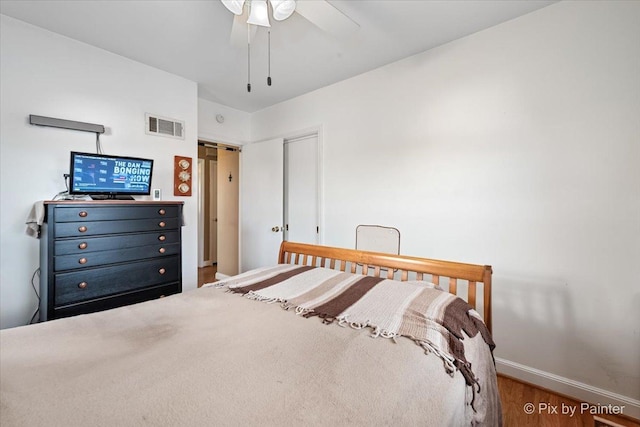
463, 279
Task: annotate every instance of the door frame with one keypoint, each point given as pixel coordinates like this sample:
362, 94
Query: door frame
294, 134
289, 142
201, 219
213, 211
220, 143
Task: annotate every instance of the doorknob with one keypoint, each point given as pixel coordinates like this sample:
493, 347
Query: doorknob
275, 229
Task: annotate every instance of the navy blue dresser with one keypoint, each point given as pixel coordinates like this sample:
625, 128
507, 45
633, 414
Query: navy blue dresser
97, 255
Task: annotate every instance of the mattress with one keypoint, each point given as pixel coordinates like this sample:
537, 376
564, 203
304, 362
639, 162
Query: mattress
211, 357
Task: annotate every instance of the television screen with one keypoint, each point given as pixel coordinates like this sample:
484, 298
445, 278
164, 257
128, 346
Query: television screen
109, 176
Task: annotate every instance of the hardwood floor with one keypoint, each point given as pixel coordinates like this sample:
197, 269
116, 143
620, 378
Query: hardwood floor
207, 274
516, 396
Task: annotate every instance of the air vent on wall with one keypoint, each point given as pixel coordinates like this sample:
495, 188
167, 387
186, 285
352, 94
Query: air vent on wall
162, 126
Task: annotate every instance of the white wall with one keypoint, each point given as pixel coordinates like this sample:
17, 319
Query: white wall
518, 146
46, 74
234, 130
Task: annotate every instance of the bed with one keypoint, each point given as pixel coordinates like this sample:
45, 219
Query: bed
284, 344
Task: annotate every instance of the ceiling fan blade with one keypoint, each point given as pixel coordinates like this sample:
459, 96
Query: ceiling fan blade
326, 17
239, 31
235, 6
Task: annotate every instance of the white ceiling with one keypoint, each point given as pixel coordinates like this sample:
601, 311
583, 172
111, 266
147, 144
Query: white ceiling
191, 39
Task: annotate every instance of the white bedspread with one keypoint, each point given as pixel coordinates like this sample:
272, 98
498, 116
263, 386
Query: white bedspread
210, 358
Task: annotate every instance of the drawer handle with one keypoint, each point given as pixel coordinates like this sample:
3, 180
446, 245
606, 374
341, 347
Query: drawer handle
83, 214
162, 223
162, 271
82, 260
82, 285
162, 237
162, 212
82, 229
83, 245
162, 250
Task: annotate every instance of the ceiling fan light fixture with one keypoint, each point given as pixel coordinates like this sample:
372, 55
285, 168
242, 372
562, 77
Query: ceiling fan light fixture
259, 14
282, 9
234, 6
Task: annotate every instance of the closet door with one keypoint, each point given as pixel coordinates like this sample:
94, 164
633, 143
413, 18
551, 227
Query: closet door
301, 189
261, 199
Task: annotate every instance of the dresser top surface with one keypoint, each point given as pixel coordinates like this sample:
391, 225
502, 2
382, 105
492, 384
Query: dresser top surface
113, 202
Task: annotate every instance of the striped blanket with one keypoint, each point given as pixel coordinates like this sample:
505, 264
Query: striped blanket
416, 310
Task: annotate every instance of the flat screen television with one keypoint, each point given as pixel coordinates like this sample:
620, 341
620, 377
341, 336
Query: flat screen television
102, 176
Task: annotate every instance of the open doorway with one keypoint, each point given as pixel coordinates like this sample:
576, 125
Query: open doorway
218, 199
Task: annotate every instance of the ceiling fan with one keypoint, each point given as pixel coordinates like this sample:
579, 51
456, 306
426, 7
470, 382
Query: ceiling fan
251, 14
255, 13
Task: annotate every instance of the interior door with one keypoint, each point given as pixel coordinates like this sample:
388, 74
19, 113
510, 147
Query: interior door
301, 189
213, 212
261, 200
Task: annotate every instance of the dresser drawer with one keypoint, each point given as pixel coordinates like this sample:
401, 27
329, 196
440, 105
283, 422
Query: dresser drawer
94, 259
93, 228
92, 283
122, 241
102, 213
117, 300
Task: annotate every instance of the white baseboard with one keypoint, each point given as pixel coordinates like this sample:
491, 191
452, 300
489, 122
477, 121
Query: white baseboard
221, 276
575, 389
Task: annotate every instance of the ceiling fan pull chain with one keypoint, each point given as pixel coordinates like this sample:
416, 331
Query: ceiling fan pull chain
248, 58
269, 66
